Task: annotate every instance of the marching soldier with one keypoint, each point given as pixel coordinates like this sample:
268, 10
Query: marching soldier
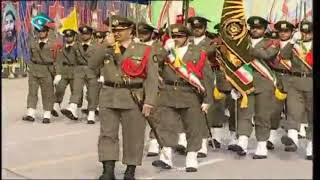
222, 93
262, 50
65, 65
86, 73
41, 73
198, 27
300, 91
128, 95
99, 37
145, 34
181, 98
281, 67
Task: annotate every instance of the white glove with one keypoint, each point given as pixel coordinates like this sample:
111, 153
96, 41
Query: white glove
136, 40
57, 79
205, 107
296, 37
170, 44
235, 94
101, 79
146, 110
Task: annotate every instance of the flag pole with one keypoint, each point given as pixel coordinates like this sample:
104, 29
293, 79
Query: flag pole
186, 12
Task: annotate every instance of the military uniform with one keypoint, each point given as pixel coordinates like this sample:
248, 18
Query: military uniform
118, 102
279, 68
300, 90
259, 101
65, 65
86, 73
41, 73
99, 36
160, 54
216, 111
179, 101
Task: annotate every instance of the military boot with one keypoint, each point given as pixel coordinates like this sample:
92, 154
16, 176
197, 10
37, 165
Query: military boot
108, 170
130, 171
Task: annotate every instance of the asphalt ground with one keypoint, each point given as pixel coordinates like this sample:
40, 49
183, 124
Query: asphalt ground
65, 149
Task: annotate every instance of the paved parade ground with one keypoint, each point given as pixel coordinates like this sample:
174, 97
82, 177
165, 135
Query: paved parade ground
66, 149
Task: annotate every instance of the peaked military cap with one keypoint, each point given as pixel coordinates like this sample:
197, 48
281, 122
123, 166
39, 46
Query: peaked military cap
306, 26
144, 27
69, 33
100, 34
179, 30
197, 21
256, 21
119, 22
85, 29
283, 25
45, 28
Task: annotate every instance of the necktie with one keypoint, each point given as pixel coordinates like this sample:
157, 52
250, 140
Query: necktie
122, 49
41, 44
85, 47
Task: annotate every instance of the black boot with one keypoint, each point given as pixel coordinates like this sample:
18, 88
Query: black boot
46, 121
130, 171
28, 118
270, 145
68, 114
54, 113
108, 170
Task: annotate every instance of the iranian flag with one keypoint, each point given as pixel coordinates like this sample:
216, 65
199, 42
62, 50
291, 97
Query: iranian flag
244, 73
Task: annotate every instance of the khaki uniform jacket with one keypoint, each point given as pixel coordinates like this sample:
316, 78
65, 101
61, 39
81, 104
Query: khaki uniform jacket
303, 84
87, 65
265, 53
185, 96
297, 65
66, 62
111, 97
41, 56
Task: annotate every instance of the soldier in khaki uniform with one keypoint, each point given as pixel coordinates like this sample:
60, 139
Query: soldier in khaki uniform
86, 73
179, 101
280, 66
66, 61
198, 27
41, 73
145, 35
259, 102
300, 89
227, 104
99, 37
128, 95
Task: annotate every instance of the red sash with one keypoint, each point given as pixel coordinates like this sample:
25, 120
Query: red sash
132, 69
198, 68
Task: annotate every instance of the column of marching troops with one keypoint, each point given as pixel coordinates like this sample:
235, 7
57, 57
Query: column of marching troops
131, 80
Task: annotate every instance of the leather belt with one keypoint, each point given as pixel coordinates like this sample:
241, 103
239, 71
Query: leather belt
297, 74
176, 83
123, 85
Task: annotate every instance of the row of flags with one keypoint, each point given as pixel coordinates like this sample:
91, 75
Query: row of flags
69, 14
272, 10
